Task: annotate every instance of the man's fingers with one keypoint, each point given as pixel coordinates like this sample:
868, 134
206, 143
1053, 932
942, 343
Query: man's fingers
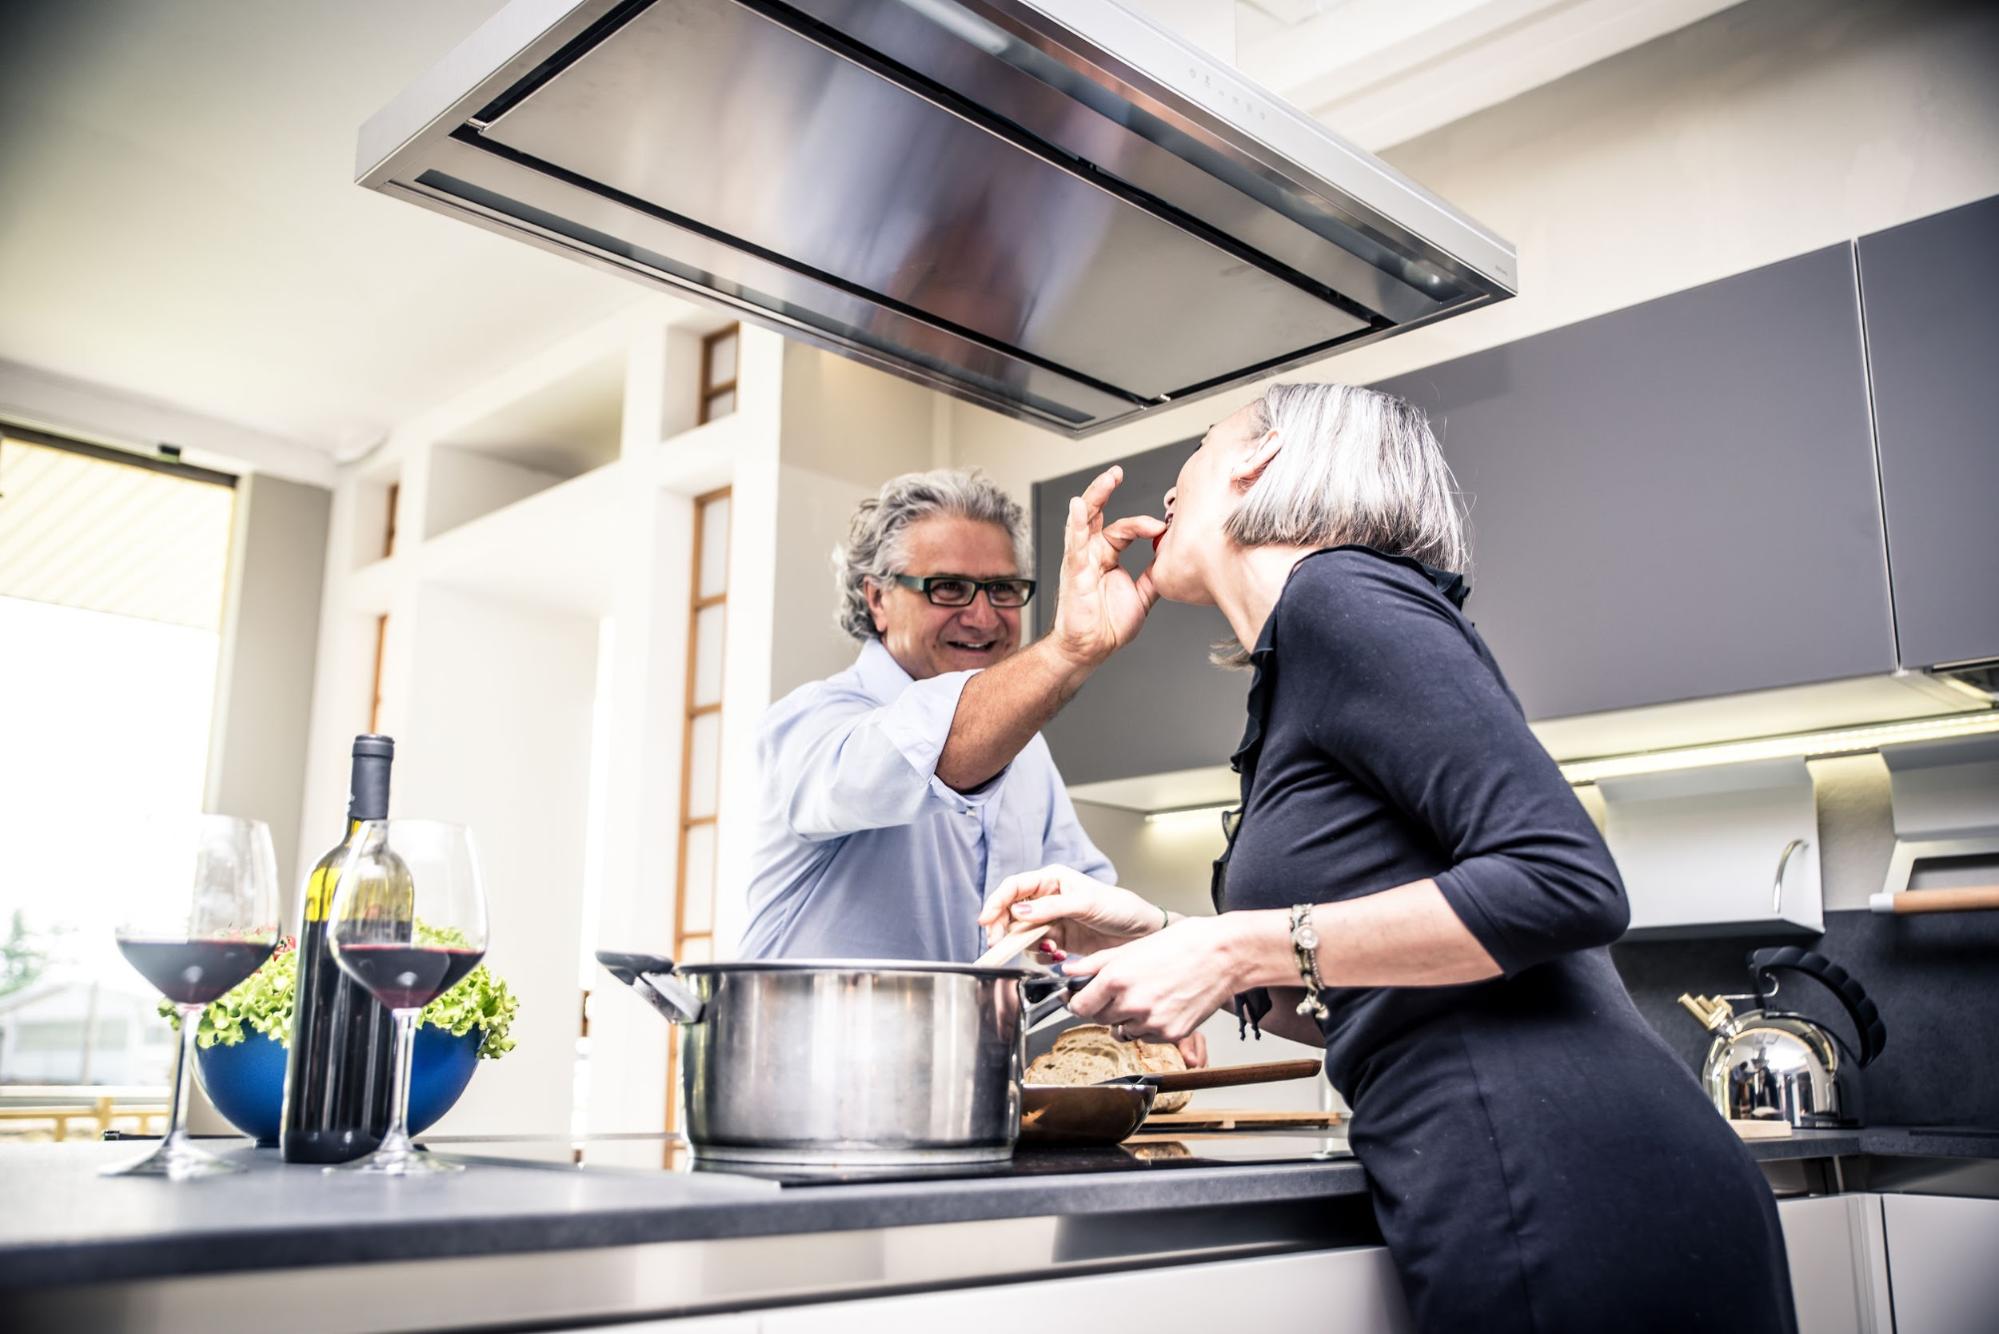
1128, 530
1098, 494
1075, 529
1148, 592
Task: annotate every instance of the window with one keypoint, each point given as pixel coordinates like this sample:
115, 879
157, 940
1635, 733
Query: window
700, 753
112, 574
718, 372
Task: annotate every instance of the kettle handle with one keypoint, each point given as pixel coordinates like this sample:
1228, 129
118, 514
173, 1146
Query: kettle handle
1866, 1017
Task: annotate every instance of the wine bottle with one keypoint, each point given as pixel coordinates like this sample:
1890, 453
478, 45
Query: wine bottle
340, 1077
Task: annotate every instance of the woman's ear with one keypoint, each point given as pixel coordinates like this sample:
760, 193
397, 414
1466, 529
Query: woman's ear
1251, 465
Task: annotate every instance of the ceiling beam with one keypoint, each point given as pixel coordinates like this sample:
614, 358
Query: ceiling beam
96, 412
1380, 72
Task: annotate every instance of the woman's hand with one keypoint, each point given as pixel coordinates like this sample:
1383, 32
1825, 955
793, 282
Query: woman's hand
1162, 987
1099, 608
1085, 915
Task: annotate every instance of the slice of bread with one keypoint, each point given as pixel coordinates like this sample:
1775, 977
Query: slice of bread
1089, 1054
1158, 1058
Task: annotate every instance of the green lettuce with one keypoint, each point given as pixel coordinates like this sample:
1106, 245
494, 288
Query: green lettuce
262, 1003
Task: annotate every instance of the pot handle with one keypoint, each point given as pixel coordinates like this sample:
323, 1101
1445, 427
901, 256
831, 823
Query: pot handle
1862, 1011
1056, 996
651, 975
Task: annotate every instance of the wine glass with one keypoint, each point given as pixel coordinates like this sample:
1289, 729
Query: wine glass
200, 915
408, 921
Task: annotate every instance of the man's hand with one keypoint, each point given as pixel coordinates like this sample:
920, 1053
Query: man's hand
1098, 610
1099, 607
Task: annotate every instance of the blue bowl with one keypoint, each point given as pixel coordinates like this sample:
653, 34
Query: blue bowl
246, 1082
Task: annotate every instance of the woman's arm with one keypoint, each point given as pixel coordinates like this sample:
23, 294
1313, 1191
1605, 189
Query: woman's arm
1402, 937
1164, 985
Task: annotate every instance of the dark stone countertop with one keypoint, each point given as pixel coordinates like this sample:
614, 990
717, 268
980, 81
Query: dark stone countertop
64, 1224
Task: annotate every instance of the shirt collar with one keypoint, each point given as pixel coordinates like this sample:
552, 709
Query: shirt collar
881, 675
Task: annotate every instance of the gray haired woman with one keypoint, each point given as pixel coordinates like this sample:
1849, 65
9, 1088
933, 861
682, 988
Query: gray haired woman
1411, 883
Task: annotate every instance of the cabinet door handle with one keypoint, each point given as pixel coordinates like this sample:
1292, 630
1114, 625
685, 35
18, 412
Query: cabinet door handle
1783, 861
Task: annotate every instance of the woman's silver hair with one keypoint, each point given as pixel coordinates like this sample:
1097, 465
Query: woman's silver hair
874, 546
1357, 465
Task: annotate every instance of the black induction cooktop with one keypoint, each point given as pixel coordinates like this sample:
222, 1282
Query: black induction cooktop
1151, 1153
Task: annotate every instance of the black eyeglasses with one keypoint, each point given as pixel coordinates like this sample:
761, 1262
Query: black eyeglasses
958, 590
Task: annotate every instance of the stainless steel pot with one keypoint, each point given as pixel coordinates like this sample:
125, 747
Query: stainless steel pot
842, 1062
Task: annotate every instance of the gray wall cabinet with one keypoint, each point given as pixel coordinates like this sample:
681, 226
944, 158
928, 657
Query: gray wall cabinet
1676, 500
1933, 348
1160, 705
1679, 500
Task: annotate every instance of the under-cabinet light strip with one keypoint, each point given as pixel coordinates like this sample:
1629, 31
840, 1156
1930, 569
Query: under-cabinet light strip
1798, 745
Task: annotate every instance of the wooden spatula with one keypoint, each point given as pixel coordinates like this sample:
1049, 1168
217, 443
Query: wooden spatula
1011, 945
1223, 1076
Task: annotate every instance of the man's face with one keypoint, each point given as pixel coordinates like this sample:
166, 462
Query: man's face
926, 640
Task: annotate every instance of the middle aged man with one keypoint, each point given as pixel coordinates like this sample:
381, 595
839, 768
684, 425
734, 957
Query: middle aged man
897, 794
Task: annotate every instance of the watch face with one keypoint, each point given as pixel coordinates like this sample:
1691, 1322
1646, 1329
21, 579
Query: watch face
1308, 938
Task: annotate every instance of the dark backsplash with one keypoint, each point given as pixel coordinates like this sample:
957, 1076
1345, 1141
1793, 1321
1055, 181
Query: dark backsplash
1935, 978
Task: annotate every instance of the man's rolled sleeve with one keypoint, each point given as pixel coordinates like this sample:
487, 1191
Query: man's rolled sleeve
866, 766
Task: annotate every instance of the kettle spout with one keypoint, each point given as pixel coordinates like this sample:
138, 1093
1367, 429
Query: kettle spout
1712, 1011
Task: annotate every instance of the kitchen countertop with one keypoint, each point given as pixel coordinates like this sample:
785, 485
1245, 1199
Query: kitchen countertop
65, 1225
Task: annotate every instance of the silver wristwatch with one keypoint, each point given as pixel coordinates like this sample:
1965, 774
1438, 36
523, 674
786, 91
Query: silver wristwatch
1305, 944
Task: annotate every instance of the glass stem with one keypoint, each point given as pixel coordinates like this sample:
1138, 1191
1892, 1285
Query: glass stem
190, 1027
398, 1138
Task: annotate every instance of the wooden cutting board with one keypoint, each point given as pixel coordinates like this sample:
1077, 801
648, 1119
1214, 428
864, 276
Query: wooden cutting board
1223, 1119
1762, 1129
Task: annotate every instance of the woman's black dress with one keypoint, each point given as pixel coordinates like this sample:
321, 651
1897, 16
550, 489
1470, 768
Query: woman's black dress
1539, 1160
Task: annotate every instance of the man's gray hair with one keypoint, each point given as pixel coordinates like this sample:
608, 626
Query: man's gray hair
1357, 465
874, 546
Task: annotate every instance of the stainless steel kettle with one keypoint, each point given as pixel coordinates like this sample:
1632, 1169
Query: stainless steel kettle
1768, 1064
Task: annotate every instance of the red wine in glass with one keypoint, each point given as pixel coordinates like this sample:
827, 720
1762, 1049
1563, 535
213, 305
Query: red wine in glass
408, 920
199, 916
408, 977
195, 972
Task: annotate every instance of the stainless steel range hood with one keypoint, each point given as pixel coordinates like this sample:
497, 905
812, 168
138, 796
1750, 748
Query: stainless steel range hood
1053, 209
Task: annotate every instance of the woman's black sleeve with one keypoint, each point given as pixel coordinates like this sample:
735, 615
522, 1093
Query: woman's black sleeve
1412, 710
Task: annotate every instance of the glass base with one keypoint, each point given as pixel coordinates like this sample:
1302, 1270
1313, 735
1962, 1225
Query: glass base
176, 1160
399, 1161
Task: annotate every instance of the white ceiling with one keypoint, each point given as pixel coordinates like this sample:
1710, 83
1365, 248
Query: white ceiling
179, 223
178, 217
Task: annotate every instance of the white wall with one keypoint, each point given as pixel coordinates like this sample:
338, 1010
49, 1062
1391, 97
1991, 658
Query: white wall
498, 738
1771, 129
264, 672
465, 484
846, 430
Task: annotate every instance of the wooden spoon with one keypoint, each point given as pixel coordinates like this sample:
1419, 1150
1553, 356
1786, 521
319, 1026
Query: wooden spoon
1011, 945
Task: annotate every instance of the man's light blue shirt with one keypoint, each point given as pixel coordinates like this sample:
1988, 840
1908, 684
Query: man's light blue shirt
862, 852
